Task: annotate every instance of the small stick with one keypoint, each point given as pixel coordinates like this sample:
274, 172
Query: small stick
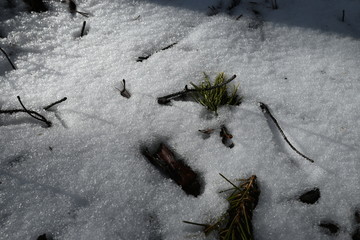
343, 16
239, 17
53, 104
35, 115
166, 99
140, 59
7, 57
197, 224
265, 109
83, 29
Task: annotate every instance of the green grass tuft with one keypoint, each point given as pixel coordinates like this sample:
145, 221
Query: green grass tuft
216, 97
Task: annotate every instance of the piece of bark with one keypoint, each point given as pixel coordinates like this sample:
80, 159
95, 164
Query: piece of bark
182, 174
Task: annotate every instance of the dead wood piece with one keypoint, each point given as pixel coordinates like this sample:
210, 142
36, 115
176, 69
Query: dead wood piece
182, 174
266, 110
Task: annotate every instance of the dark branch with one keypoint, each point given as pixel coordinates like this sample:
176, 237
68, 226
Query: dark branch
266, 110
7, 57
53, 104
35, 115
166, 99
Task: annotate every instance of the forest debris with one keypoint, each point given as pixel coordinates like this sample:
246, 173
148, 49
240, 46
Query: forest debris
166, 99
183, 175
7, 57
265, 110
310, 197
236, 224
140, 59
73, 9
226, 137
124, 92
329, 227
33, 114
207, 131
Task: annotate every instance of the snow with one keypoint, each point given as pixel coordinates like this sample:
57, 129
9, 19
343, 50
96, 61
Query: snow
85, 178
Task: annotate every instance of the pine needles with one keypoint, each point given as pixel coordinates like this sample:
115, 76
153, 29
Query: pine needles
235, 224
216, 97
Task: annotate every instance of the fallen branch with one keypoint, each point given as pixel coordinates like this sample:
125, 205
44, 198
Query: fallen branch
7, 57
33, 114
53, 104
166, 99
164, 159
266, 110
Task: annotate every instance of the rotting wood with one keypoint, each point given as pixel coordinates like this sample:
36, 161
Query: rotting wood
182, 174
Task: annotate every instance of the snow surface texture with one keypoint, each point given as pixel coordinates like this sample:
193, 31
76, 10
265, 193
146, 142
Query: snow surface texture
85, 178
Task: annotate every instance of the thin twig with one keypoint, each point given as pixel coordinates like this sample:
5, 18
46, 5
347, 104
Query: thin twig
265, 109
7, 57
53, 104
140, 59
83, 29
343, 16
166, 99
35, 115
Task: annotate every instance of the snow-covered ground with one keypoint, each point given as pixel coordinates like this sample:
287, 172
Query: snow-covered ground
85, 178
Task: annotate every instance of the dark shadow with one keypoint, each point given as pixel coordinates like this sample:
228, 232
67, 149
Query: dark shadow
333, 17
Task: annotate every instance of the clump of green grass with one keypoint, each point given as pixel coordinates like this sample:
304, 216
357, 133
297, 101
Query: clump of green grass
236, 224
217, 96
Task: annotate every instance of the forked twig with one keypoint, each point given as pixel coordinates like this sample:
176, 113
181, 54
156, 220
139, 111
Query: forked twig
266, 110
7, 57
166, 99
35, 115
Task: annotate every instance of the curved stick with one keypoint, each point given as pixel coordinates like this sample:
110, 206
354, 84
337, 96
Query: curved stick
265, 109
